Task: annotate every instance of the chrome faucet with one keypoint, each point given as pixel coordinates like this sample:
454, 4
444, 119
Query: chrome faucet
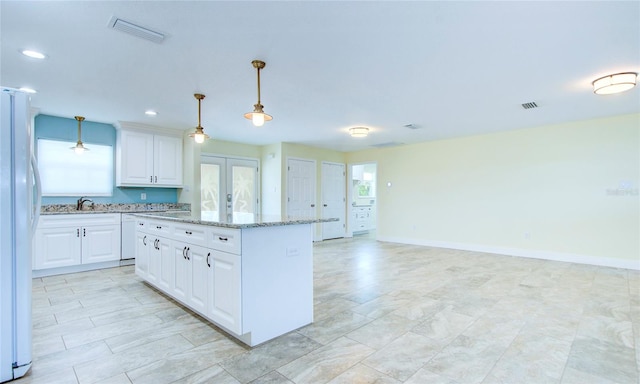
81, 201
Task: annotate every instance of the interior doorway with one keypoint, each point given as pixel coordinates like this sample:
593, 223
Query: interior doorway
363, 199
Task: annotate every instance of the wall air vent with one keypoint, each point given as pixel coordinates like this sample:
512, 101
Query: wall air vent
387, 145
530, 105
135, 30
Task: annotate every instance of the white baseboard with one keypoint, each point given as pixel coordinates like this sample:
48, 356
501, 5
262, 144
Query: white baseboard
74, 269
534, 254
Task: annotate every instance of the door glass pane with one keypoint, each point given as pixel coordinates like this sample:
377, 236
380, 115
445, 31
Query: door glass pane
244, 190
210, 192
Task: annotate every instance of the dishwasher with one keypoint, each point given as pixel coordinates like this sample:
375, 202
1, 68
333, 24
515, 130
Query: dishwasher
128, 242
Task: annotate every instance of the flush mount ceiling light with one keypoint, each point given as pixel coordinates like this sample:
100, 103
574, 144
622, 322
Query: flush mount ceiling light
258, 117
199, 136
79, 148
28, 90
359, 131
615, 83
33, 54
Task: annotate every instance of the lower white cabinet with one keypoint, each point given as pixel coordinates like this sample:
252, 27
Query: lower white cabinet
75, 239
224, 305
256, 283
191, 276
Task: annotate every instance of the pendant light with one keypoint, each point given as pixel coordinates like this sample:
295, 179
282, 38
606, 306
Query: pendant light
258, 117
199, 136
79, 148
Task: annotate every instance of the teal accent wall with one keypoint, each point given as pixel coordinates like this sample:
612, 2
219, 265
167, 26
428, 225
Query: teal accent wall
60, 128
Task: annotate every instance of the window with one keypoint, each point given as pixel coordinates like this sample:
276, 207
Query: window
65, 173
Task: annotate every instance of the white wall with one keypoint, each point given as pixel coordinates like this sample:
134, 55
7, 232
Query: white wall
548, 192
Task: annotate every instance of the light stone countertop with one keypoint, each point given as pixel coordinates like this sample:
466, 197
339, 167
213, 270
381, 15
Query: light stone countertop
64, 209
249, 221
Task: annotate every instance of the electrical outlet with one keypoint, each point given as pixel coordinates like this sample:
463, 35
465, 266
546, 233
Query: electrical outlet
143, 196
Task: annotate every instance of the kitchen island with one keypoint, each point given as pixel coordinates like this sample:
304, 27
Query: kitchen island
252, 277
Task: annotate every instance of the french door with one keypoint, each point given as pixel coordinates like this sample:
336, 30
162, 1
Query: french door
228, 189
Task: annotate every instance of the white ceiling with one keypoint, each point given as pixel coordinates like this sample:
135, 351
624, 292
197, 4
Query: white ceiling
451, 68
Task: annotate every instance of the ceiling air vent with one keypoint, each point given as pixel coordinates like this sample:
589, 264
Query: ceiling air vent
135, 30
530, 105
411, 126
387, 145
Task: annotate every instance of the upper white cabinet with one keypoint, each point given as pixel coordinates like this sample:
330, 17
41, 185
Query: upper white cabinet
148, 159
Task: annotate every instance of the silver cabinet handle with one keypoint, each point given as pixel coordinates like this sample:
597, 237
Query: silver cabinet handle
223, 238
313, 205
144, 240
188, 232
188, 257
158, 227
156, 179
84, 232
208, 256
324, 205
184, 251
78, 232
151, 179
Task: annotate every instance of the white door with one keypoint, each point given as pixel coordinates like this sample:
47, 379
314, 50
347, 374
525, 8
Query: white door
228, 188
301, 188
333, 199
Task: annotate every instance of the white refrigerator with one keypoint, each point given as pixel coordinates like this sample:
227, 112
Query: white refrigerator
19, 212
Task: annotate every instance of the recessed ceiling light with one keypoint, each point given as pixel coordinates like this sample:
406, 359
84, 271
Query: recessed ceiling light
28, 90
33, 54
150, 113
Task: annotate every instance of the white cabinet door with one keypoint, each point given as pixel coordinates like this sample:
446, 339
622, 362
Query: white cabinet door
181, 271
135, 158
191, 276
143, 246
57, 247
199, 273
224, 289
164, 251
154, 261
100, 243
167, 160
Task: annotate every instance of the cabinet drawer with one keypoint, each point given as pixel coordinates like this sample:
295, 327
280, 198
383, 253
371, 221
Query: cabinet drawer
225, 239
159, 228
191, 234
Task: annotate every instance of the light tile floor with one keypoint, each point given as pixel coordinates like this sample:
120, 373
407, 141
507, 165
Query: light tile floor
384, 313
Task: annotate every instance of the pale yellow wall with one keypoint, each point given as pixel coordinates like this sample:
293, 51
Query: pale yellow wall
543, 191
272, 179
229, 148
